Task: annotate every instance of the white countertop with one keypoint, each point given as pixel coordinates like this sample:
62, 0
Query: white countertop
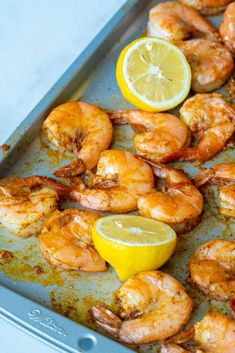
39, 39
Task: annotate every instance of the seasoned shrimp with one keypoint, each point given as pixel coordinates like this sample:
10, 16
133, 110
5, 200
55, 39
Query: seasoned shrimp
227, 28
210, 61
153, 306
66, 241
212, 269
224, 176
207, 7
157, 134
180, 205
174, 21
212, 119
25, 204
82, 128
215, 333
120, 180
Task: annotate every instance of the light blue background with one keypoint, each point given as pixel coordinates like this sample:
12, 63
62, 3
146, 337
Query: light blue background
39, 39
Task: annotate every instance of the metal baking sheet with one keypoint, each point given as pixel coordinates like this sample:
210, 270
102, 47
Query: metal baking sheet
26, 296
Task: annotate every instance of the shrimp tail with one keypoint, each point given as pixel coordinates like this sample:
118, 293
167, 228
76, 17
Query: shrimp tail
65, 191
71, 170
38, 180
160, 171
183, 337
78, 183
78, 141
158, 168
214, 36
173, 176
202, 178
119, 117
106, 319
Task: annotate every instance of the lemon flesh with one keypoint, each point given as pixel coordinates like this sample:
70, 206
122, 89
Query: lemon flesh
132, 244
153, 74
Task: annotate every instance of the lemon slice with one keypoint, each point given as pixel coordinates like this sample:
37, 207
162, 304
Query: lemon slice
153, 74
132, 244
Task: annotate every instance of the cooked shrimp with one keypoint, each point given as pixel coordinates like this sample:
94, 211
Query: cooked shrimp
157, 134
153, 306
180, 205
210, 61
66, 241
212, 119
82, 128
227, 28
120, 180
174, 21
224, 176
24, 204
212, 269
207, 7
215, 333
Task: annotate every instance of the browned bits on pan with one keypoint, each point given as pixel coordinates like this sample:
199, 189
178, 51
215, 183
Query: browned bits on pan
38, 269
5, 147
5, 256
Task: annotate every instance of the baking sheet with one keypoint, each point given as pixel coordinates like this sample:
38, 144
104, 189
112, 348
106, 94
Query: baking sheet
73, 293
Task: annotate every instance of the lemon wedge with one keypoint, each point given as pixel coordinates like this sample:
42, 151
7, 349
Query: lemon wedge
153, 74
132, 244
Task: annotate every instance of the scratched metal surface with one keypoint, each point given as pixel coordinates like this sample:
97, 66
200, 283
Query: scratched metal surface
72, 293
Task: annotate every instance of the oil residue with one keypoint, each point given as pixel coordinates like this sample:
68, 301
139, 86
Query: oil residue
73, 307
75, 298
72, 294
53, 155
28, 265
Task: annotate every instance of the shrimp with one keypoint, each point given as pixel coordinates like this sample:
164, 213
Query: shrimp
227, 28
66, 241
174, 21
215, 333
207, 7
25, 203
81, 128
180, 206
157, 134
153, 306
212, 269
120, 180
210, 61
224, 176
212, 119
